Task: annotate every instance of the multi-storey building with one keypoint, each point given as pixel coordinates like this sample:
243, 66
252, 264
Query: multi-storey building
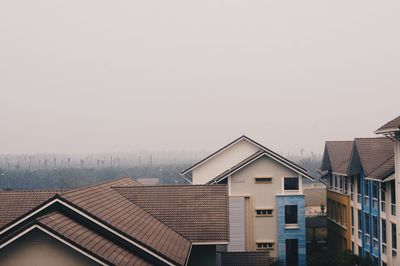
368, 187
335, 163
267, 207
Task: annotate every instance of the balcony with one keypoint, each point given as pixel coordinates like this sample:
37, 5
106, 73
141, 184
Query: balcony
359, 234
393, 209
394, 253
383, 206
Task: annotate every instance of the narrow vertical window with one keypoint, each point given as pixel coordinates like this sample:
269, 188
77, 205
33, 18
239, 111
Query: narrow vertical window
291, 214
394, 236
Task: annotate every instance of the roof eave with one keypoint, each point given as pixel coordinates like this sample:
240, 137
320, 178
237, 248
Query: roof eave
387, 130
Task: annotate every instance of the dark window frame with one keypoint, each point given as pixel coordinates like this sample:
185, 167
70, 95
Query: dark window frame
291, 214
291, 185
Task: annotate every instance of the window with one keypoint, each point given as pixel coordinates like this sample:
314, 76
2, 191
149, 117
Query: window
394, 236
352, 216
384, 231
374, 190
359, 220
291, 183
263, 179
265, 245
383, 191
336, 181
366, 190
375, 226
393, 192
366, 223
291, 214
264, 212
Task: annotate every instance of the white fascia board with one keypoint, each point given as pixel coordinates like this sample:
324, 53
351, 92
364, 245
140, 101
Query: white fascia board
387, 130
256, 158
92, 220
197, 165
35, 226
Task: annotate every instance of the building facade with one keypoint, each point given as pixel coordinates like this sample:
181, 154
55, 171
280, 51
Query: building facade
335, 163
362, 200
267, 206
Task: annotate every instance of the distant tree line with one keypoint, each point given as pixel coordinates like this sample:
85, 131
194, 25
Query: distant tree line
67, 178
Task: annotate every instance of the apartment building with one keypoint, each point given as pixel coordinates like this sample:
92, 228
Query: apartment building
365, 192
335, 162
267, 206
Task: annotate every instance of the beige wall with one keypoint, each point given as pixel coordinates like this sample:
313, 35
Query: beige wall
263, 195
223, 161
39, 249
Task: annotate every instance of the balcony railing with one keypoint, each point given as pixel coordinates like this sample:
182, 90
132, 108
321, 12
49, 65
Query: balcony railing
394, 253
358, 198
367, 238
393, 209
359, 234
352, 230
383, 206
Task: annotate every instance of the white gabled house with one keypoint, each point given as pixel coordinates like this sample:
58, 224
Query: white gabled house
267, 209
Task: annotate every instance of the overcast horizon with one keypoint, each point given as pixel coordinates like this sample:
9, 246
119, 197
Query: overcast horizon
97, 76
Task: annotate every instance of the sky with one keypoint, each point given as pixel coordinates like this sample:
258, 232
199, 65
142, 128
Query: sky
93, 76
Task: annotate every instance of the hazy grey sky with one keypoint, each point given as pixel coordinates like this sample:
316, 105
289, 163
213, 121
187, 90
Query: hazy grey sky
99, 76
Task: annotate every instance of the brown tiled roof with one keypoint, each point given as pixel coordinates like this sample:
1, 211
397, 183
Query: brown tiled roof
89, 240
13, 204
198, 212
113, 209
254, 258
376, 156
339, 153
393, 125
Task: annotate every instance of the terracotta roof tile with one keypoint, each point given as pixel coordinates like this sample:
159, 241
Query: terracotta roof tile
13, 204
391, 125
339, 153
111, 207
89, 240
198, 212
376, 156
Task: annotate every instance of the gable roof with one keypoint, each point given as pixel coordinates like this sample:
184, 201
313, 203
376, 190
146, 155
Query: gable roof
89, 240
198, 212
255, 156
376, 156
391, 126
14, 204
110, 207
263, 149
105, 207
337, 156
